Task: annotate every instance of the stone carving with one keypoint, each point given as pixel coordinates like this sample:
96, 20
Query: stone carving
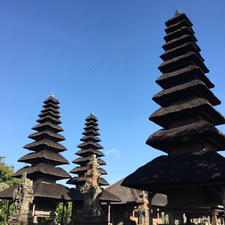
142, 211
23, 199
91, 210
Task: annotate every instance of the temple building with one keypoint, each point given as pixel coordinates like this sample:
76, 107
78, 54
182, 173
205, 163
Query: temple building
38, 186
192, 175
133, 206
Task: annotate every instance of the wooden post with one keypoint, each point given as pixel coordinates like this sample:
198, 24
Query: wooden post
109, 216
150, 196
223, 200
171, 220
33, 214
62, 218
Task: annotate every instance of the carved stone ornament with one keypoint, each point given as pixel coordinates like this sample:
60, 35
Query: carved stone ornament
23, 200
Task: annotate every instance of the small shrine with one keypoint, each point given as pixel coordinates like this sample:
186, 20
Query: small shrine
192, 175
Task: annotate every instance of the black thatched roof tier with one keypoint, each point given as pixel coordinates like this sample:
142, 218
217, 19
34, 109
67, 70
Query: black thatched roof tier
185, 169
91, 117
7, 193
177, 26
45, 144
89, 147
198, 106
52, 100
47, 190
194, 88
51, 105
130, 195
82, 169
90, 139
91, 127
90, 133
108, 197
81, 181
46, 147
102, 182
201, 131
177, 18
49, 113
180, 41
168, 80
43, 169
79, 169
190, 58
44, 156
46, 134
47, 126
178, 33
102, 171
179, 50
87, 152
83, 160
91, 122
49, 118
55, 191
49, 109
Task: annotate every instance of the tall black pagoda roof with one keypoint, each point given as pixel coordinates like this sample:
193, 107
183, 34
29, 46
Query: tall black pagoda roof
188, 118
187, 112
89, 146
45, 149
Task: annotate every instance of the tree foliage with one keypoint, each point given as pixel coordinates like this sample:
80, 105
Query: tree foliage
6, 181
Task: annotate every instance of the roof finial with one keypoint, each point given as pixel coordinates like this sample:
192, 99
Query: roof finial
92, 114
52, 95
177, 13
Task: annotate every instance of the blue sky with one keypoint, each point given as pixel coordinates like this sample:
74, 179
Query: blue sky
96, 56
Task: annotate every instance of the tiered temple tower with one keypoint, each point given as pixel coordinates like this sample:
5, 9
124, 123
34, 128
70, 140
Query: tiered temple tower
89, 147
193, 173
45, 149
45, 159
187, 113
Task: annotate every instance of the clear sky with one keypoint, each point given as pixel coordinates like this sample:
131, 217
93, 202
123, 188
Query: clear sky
96, 56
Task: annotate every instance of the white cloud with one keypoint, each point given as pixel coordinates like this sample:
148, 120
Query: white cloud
113, 151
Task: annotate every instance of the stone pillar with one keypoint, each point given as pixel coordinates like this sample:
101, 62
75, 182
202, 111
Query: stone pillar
143, 209
91, 213
23, 200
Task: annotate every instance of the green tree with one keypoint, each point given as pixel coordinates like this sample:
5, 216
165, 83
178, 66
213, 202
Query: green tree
59, 212
6, 181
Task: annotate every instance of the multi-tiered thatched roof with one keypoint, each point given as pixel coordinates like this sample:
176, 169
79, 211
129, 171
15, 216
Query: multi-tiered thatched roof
187, 115
45, 156
89, 147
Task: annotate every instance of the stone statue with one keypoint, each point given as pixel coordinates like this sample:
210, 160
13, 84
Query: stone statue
142, 211
91, 210
23, 199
